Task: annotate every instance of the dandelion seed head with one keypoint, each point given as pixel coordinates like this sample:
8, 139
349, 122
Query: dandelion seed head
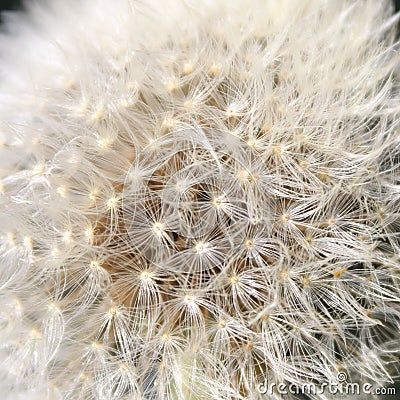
196, 201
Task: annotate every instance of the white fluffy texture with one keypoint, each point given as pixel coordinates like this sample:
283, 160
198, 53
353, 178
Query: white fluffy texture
195, 197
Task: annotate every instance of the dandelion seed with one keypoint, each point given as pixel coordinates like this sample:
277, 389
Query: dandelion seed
168, 123
158, 228
67, 236
215, 69
89, 234
200, 247
35, 334
38, 169
28, 242
62, 191
277, 150
249, 243
222, 324
104, 143
330, 221
249, 346
93, 194
243, 175
94, 264
113, 311
188, 68
339, 273
306, 282
97, 115
252, 143
145, 276
171, 85
188, 299
166, 337
112, 203
231, 112
285, 217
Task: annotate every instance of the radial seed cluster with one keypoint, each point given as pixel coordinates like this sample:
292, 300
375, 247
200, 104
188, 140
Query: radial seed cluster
198, 198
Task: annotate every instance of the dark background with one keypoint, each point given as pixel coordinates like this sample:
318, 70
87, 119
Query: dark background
11, 5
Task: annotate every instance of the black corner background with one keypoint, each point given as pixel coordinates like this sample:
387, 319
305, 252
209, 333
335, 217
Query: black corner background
11, 5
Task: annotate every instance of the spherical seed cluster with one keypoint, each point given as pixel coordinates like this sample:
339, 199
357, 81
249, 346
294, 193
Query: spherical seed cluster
197, 198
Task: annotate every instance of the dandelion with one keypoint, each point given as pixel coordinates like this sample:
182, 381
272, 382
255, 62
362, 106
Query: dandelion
197, 198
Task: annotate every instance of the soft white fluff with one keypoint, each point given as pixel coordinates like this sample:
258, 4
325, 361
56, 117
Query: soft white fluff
197, 196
